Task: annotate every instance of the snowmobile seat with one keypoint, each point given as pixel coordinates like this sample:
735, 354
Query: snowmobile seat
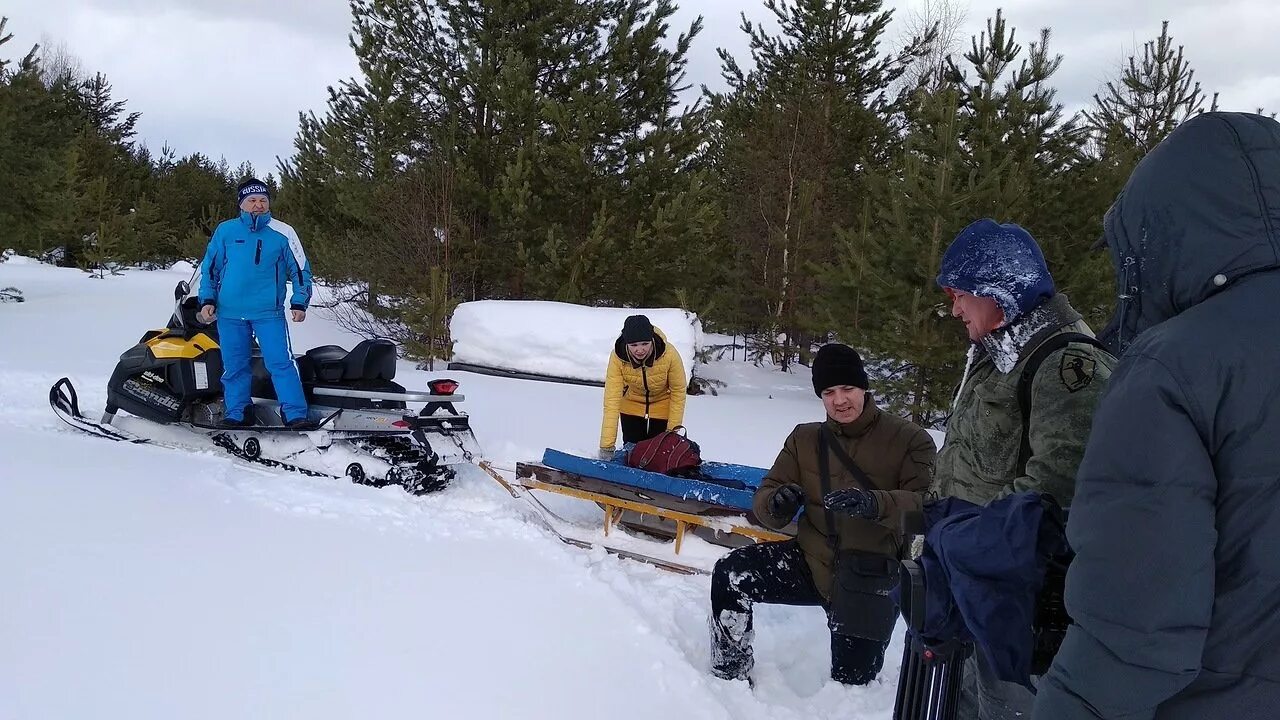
325, 363
369, 360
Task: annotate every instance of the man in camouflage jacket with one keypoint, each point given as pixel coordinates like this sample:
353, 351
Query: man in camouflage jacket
1001, 289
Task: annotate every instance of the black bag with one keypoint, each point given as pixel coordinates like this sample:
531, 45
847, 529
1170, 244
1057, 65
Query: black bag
860, 581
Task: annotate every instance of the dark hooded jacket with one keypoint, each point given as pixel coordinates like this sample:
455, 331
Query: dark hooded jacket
1175, 589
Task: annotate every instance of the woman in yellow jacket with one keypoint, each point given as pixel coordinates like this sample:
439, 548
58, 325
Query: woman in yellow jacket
644, 387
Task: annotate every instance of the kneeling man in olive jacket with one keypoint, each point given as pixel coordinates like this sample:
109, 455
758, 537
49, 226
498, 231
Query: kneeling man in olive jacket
853, 474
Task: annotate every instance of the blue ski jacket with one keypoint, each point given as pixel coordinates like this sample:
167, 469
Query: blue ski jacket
247, 264
984, 566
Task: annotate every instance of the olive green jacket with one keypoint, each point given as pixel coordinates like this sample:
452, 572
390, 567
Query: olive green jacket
896, 455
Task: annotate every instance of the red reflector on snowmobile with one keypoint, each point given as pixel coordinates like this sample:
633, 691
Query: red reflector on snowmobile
442, 387
400, 424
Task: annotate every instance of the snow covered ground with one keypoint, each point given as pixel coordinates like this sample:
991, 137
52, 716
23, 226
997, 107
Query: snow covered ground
139, 582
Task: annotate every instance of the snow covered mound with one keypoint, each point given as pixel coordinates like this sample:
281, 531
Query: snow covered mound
558, 339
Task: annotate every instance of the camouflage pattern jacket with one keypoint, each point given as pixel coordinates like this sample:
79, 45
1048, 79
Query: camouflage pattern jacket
979, 460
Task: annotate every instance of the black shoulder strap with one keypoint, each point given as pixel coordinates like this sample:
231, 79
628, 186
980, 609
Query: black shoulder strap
827, 441
858, 475
824, 478
1047, 348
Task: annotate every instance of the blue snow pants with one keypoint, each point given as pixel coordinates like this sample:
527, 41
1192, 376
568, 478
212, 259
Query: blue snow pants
273, 338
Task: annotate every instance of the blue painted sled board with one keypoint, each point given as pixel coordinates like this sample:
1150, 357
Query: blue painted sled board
685, 488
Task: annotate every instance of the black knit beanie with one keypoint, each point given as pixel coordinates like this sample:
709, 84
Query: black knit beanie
637, 328
837, 364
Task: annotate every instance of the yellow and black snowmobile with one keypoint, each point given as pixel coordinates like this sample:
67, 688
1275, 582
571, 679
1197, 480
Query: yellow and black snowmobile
364, 428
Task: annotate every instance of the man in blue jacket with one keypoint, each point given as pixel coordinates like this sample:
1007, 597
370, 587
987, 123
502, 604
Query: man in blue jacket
242, 287
1175, 588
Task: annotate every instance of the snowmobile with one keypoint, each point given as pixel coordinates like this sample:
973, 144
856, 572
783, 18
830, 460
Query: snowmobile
364, 429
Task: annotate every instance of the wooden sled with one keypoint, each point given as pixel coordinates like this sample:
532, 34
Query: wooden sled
658, 506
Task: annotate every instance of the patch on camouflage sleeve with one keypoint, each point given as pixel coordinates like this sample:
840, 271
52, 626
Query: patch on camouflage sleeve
1076, 369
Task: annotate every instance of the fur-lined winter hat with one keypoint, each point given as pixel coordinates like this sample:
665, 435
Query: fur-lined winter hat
1001, 262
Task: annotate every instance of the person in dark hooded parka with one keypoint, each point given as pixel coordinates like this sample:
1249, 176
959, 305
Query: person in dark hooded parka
1175, 587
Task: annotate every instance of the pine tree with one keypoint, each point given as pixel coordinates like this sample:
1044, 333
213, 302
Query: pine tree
106, 115
994, 146
539, 137
37, 128
882, 294
794, 134
27, 61
1151, 98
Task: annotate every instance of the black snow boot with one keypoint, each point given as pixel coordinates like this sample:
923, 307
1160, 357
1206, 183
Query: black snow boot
246, 419
302, 423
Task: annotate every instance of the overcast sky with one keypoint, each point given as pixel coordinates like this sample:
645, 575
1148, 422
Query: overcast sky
229, 78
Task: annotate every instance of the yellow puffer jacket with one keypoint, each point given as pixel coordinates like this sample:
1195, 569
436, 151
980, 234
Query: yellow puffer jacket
655, 388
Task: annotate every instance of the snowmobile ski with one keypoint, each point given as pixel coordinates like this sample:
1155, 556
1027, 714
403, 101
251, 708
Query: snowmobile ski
66, 405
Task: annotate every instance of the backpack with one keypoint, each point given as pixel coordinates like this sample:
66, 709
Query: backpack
1046, 348
669, 453
1049, 626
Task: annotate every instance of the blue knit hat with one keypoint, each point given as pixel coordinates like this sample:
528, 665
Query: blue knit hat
251, 186
1002, 262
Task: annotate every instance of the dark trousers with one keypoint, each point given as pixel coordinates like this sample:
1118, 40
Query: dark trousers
636, 428
775, 573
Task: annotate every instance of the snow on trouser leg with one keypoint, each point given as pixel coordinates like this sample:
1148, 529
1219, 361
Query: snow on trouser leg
234, 338
768, 572
277, 355
730, 622
731, 637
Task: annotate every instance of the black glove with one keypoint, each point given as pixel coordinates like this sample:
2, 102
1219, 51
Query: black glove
853, 501
786, 501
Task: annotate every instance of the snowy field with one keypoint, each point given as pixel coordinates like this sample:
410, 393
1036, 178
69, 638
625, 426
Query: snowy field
140, 582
